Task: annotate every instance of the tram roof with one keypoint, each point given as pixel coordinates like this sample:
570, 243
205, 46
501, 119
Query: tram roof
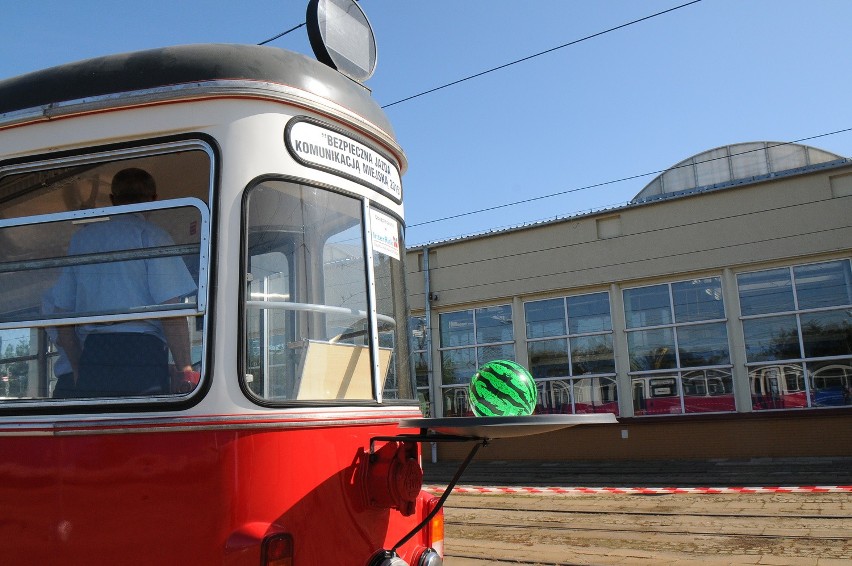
183, 64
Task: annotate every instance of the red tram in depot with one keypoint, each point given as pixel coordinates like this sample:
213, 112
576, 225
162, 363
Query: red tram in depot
203, 315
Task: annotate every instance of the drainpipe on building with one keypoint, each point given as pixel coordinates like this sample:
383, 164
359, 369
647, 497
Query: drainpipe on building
427, 293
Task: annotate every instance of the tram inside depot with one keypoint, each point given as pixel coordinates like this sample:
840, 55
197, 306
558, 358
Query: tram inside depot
323, 315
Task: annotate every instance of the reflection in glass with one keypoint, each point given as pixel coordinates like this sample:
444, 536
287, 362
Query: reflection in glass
656, 395
771, 338
554, 397
651, 349
456, 402
421, 370
703, 345
391, 305
592, 354
827, 333
577, 396
457, 329
765, 292
424, 399
496, 352
831, 383
647, 306
699, 299
708, 391
777, 386
548, 358
595, 395
417, 324
589, 313
545, 318
494, 324
823, 285
458, 366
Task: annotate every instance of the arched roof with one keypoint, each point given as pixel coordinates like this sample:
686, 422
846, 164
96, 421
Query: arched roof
732, 164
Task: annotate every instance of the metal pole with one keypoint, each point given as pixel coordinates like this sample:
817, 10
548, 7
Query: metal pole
433, 387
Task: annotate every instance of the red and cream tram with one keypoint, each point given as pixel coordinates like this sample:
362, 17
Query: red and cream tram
264, 273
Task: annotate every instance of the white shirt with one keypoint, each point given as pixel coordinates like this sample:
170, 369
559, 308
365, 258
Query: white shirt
120, 286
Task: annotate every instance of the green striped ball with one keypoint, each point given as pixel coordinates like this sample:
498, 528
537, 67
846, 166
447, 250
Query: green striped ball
502, 388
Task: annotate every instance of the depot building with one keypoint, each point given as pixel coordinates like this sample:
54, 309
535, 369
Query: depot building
712, 314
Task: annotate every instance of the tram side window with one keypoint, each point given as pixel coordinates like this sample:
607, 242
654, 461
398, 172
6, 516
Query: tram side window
391, 297
103, 277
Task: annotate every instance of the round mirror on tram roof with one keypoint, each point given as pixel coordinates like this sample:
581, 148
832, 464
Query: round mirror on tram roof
342, 38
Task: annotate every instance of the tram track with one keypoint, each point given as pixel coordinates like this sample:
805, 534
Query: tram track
473, 560
664, 513
683, 529
669, 531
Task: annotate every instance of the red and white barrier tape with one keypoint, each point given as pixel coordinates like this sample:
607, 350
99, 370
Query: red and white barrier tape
638, 490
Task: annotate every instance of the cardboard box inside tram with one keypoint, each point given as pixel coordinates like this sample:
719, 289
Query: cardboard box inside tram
196, 372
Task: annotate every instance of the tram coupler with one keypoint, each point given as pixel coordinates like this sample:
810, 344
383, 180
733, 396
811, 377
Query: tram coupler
393, 477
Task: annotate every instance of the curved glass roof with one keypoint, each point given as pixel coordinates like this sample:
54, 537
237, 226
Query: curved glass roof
734, 163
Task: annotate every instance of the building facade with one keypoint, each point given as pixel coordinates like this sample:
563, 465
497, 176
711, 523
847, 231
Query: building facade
712, 314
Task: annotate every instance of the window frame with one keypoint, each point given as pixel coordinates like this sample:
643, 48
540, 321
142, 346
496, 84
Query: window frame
548, 385
104, 155
459, 390
805, 363
676, 370
365, 206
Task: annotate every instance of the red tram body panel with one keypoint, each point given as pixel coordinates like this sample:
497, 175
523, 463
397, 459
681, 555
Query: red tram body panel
194, 496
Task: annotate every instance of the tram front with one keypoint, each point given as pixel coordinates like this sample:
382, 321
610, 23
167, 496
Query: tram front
263, 272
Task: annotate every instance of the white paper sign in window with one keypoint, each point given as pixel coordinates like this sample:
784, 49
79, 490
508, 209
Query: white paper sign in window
385, 234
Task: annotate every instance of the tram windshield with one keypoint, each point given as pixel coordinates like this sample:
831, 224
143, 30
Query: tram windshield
325, 316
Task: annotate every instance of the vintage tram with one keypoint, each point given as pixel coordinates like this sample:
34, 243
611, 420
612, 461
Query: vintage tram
267, 270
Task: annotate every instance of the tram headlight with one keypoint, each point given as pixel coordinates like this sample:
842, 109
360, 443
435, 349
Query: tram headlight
387, 558
430, 558
277, 550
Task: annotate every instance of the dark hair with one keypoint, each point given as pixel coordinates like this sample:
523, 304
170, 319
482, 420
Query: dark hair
133, 185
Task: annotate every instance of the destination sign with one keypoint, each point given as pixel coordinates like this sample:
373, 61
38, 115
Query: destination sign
323, 148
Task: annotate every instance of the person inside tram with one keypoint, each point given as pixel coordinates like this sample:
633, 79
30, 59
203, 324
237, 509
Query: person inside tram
62, 370
124, 357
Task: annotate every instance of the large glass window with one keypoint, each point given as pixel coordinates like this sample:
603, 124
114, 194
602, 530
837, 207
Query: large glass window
420, 355
103, 276
570, 337
468, 340
798, 335
677, 341
312, 330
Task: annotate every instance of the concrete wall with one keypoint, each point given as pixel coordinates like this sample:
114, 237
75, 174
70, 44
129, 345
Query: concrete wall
803, 433
750, 225
789, 220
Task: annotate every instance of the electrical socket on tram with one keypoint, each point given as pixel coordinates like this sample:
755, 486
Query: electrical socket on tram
393, 477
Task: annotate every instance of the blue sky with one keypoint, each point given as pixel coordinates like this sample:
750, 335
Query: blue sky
633, 101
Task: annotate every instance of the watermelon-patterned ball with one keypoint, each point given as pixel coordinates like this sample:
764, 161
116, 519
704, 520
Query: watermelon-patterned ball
502, 388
